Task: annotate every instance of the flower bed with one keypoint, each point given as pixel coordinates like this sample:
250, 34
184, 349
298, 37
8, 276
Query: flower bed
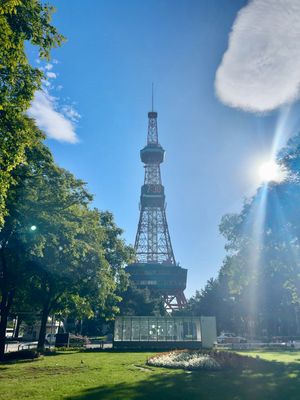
185, 360
206, 360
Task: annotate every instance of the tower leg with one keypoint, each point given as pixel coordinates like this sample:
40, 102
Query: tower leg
176, 301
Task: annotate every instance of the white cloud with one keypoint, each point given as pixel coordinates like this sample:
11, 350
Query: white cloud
48, 66
51, 75
260, 71
70, 112
54, 123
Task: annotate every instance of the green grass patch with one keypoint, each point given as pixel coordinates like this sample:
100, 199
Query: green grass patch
283, 356
124, 376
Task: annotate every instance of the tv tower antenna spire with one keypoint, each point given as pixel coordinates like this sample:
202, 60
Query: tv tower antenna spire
152, 96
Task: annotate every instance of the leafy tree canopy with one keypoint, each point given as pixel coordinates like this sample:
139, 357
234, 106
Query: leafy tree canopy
67, 261
21, 22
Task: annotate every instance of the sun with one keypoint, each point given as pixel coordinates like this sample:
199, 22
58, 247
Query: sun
270, 171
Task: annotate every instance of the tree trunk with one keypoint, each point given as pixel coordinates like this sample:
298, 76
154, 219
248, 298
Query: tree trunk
5, 306
42, 334
65, 325
18, 325
3, 323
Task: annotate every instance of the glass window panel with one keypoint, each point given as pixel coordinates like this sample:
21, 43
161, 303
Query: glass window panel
198, 329
135, 329
193, 330
118, 329
179, 332
161, 329
152, 329
187, 329
170, 330
127, 329
144, 331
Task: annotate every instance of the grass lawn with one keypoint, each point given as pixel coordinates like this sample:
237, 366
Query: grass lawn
122, 376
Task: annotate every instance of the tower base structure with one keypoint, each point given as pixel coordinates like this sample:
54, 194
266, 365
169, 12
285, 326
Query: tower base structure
168, 280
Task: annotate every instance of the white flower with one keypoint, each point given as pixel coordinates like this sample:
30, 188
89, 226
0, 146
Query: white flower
185, 360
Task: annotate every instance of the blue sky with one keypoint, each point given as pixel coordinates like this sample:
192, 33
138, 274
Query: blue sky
114, 51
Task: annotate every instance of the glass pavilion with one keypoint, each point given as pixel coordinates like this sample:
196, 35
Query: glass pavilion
157, 331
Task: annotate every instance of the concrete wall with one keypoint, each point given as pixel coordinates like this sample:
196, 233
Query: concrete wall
208, 331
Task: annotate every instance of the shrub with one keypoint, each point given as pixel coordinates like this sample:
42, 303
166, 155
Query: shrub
22, 355
78, 341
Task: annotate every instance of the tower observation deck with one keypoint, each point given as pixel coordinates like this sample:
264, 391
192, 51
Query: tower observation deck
155, 266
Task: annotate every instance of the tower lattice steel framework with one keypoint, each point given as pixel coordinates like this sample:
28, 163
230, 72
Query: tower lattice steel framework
156, 267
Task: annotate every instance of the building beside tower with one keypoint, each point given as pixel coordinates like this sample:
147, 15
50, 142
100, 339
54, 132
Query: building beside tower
155, 267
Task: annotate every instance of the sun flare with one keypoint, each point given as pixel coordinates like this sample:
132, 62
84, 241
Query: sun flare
270, 171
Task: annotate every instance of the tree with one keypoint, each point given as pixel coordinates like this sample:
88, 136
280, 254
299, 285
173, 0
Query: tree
96, 317
139, 302
263, 246
75, 272
68, 253
16, 237
213, 300
117, 254
21, 21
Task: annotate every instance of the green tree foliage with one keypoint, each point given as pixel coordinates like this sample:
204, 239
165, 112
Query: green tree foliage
139, 302
117, 254
258, 287
21, 21
213, 300
68, 259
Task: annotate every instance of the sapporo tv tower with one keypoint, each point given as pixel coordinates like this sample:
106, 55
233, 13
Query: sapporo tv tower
156, 267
